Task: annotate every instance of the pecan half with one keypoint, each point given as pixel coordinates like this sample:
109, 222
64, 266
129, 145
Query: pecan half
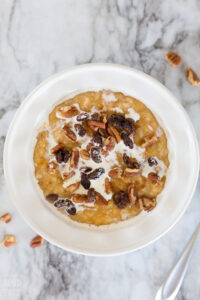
132, 194
139, 204
108, 186
68, 175
52, 166
85, 154
173, 59
109, 143
103, 132
128, 172
192, 77
67, 111
36, 242
115, 173
149, 140
56, 148
100, 199
69, 133
95, 125
78, 198
113, 132
6, 218
9, 240
72, 187
148, 203
74, 159
153, 176
89, 146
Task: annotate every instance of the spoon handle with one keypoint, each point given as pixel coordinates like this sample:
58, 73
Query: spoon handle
172, 283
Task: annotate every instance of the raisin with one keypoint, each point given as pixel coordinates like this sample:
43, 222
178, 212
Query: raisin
52, 197
127, 160
152, 162
82, 117
121, 199
136, 165
117, 121
80, 129
126, 139
129, 126
86, 169
96, 173
97, 139
96, 117
91, 195
71, 209
85, 181
61, 203
96, 155
62, 155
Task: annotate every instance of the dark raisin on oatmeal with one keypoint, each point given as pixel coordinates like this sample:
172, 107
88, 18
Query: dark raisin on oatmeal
97, 139
96, 155
82, 117
85, 169
126, 139
121, 199
96, 173
62, 155
85, 182
117, 121
61, 203
136, 165
127, 160
70, 208
80, 129
91, 195
52, 197
96, 117
152, 161
129, 126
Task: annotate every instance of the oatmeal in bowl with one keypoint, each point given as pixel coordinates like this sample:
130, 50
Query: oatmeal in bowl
101, 158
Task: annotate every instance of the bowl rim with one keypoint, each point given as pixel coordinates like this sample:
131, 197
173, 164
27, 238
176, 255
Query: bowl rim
101, 65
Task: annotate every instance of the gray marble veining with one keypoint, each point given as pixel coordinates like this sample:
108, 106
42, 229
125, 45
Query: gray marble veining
39, 38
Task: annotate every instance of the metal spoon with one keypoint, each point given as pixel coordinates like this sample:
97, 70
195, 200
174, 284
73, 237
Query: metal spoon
172, 283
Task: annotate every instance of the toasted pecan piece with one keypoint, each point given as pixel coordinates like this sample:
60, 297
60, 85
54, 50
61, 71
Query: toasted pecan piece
67, 111
139, 204
85, 154
79, 198
68, 175
56, 148
74, 159
192, 77
148, 203
153, 176
113, 132
69, 133
109, 143
115, 173
9, 240
108, 186
173, 59
132, 194
89, 146
95, 125
72, 187
37, 241
6, 218
52, 167
149, 140
100, 199
128, 172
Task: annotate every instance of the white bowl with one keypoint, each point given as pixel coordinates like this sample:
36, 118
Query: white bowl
128, 235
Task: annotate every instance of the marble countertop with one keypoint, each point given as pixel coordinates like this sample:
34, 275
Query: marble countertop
39, 38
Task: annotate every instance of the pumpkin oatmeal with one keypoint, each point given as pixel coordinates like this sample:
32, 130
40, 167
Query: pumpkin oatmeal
101, 158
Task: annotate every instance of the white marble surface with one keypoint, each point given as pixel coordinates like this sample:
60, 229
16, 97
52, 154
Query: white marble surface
40, 37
